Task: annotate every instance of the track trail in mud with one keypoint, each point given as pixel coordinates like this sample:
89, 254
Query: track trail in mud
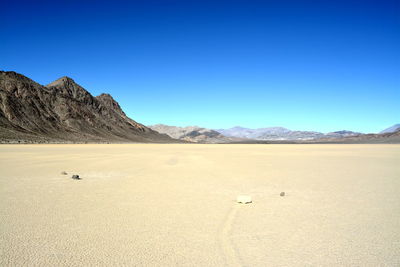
228, 250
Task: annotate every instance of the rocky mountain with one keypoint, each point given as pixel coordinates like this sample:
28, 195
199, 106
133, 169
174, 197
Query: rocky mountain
63, 111
280, 133
391, 129
192, 134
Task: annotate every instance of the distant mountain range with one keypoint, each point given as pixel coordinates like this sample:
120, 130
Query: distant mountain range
280, 134
271, 135
381, 138
193, 134
63, 111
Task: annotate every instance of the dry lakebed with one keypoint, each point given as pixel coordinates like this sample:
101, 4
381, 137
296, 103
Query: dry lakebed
175, 205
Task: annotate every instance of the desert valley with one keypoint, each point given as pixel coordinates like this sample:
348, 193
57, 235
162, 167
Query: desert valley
161, 196
200, 133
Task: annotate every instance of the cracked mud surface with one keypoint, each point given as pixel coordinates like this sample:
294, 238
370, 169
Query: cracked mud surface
166, 205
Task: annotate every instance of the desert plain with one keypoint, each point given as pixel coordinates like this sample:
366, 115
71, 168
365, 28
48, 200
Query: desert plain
174, 205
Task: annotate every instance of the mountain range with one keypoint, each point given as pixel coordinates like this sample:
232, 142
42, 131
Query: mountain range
63, 111
193, 134
239, 134
381, 138
280, 134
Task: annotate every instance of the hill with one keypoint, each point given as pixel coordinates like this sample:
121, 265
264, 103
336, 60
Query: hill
193, 134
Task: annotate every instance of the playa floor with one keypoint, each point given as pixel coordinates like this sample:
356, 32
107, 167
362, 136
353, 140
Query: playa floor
174, 205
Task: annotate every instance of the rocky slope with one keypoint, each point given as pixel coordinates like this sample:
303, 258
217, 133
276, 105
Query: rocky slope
192, 134
63, 111
391, 129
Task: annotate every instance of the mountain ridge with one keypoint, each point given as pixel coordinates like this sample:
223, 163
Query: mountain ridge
281, 133
194, 134
64, 111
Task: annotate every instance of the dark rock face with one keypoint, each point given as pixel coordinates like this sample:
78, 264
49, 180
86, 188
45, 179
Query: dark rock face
64, 111
25, 105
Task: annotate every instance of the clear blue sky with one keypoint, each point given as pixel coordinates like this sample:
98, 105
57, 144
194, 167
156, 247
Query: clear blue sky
305, 65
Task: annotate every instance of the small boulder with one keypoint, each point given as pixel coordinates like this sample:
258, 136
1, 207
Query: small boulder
243, 199
64, 173
282, 194
76, 177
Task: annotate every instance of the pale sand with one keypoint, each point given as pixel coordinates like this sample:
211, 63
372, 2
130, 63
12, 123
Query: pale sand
166, 205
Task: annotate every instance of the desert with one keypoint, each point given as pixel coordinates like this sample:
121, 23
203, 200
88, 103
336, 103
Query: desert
200, 133
175, 205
